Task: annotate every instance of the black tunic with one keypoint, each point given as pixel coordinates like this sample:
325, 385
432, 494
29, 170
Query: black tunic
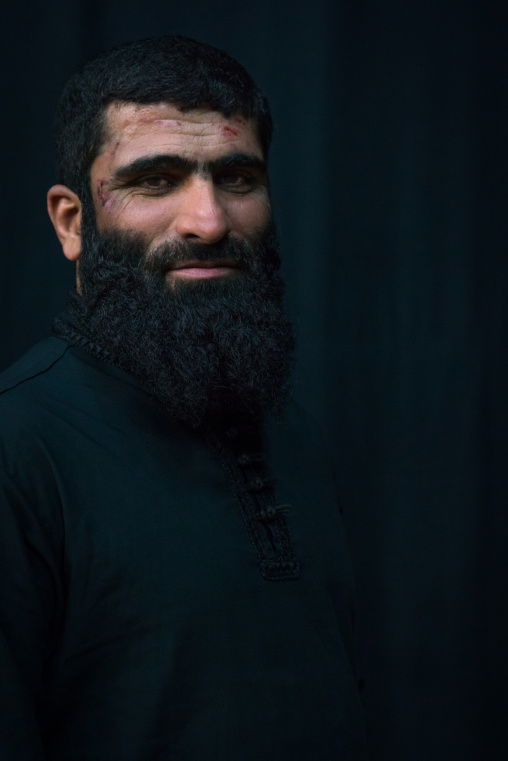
159, 600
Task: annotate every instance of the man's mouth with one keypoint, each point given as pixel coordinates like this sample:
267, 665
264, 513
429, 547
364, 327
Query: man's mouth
198, 269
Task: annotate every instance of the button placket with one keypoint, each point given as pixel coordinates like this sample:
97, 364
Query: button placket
240, 452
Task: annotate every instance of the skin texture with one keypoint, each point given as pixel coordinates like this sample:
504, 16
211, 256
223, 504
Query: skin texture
219, 189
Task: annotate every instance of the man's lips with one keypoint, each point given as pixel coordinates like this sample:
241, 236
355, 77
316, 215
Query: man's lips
198, 269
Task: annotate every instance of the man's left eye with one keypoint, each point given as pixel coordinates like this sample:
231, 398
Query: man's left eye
234, 180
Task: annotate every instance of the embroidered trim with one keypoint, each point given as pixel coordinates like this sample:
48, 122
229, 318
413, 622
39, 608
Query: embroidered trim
264, 516
258, 484
248, 459
271, 512
63, 329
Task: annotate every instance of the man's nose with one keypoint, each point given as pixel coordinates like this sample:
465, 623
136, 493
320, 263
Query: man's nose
200, 215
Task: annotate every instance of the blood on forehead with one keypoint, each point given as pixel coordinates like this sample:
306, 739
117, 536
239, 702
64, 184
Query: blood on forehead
226, 131
124, 119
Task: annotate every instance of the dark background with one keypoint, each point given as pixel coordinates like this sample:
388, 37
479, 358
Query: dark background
389, 169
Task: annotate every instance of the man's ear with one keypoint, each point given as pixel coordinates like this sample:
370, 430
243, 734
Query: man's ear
64, 209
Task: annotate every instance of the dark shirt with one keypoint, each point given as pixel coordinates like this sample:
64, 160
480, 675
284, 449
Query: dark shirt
159, 600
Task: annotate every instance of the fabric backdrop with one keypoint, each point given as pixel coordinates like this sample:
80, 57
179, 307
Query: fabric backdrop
389, 169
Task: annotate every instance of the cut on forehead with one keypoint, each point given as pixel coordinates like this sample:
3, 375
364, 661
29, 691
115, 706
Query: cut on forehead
124, 117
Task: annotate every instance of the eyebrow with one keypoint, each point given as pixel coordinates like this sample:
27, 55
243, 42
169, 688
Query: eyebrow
174, 162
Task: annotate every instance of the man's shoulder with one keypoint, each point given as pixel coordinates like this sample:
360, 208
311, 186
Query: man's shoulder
25, 388
37, 361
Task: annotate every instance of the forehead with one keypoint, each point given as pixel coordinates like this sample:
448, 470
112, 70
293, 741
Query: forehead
134, 129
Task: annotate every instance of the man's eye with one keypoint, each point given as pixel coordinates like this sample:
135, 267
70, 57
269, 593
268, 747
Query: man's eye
234, 180
156, 182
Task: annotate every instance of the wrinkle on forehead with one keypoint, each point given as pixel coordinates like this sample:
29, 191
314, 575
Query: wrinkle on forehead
170, 123
121, 115
129, 119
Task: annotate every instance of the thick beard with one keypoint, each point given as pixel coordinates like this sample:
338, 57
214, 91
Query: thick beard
211, 351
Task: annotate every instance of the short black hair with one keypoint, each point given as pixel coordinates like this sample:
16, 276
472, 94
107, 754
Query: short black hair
172, 69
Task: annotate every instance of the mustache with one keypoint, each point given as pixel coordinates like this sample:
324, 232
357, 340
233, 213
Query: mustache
244, 254
175, 254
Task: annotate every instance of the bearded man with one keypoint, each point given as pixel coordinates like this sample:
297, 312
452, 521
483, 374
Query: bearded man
174, 582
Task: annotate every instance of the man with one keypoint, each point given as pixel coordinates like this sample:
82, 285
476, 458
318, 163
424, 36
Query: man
173, 577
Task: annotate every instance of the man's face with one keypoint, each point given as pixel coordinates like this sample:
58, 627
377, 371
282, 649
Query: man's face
181, 199
176, 177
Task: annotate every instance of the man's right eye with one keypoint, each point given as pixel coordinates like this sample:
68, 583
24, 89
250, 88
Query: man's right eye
156, 182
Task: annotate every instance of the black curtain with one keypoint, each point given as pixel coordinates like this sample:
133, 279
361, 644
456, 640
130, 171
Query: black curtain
389, 170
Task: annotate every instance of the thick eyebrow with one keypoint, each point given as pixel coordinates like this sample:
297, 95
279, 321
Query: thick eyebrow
159, 162
230, 160
173, 162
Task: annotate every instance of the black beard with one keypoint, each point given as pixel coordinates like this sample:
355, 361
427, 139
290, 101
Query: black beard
211, 351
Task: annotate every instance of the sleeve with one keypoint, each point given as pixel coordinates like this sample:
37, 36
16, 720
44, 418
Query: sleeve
29, 592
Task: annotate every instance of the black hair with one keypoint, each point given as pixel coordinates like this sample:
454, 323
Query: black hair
172, 69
